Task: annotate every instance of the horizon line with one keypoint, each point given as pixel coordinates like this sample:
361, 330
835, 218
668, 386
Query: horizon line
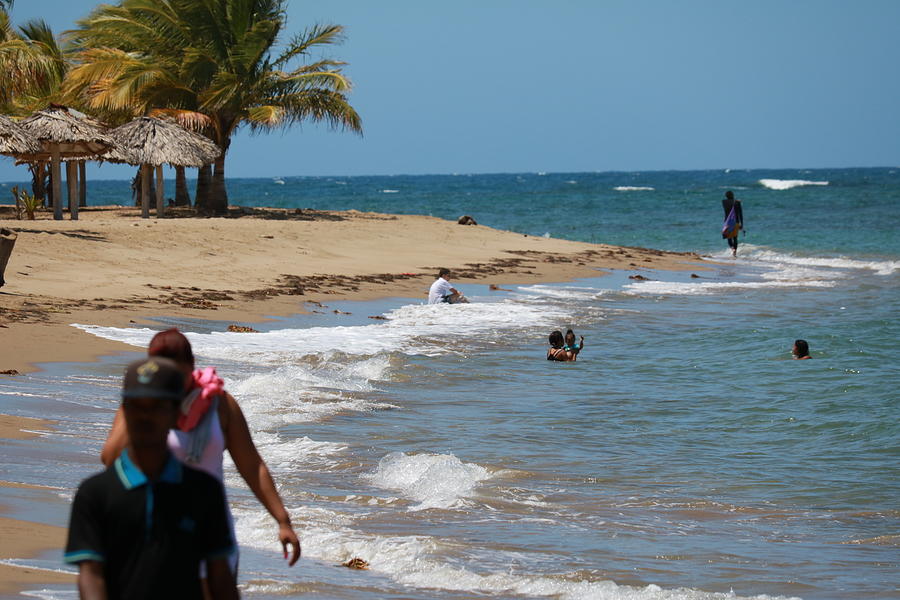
539, 173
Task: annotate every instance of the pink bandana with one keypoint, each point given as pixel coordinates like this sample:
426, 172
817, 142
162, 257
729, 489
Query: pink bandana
205, 386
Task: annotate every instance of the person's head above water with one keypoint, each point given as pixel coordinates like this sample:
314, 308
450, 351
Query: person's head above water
800, 349
570, 337
172, 344
729, 194
556, 339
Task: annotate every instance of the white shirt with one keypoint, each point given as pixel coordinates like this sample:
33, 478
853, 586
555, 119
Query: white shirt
440, 288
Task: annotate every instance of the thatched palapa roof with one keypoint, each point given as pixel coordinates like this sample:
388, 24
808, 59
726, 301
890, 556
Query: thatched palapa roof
14, 141
76, 137
151, 141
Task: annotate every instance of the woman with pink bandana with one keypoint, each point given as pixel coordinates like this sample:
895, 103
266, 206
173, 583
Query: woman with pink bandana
211, 422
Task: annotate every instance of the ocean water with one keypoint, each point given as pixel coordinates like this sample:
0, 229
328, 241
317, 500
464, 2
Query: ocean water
683, 456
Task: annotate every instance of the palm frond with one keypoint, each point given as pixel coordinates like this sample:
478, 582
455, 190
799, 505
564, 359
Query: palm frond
300, 44
189, 119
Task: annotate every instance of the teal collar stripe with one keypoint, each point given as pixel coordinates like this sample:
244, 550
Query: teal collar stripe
82, 555
131, 476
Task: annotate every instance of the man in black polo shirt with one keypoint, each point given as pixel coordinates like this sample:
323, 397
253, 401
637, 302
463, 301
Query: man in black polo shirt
141, 528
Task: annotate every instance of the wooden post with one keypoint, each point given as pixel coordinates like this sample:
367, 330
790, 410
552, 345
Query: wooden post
82, 183
145, 191
56, 175
160, 200
72, 181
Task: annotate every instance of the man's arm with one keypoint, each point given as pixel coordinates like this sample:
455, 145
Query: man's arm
221, 582
91, 584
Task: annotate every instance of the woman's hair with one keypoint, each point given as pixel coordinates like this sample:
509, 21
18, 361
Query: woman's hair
556, 338
802, 348
172, 344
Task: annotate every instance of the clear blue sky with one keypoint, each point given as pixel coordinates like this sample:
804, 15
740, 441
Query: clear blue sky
482, 86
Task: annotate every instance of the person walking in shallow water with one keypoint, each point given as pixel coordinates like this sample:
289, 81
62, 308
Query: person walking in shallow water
210, 421
140, 529
734, 221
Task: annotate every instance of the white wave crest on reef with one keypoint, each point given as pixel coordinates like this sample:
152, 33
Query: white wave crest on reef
786, 184
633, 188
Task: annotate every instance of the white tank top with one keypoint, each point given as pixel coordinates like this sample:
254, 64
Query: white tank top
209, 458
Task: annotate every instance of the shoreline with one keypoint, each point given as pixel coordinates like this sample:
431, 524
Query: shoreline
122, 270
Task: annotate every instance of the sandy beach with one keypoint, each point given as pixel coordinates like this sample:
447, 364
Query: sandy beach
112, 268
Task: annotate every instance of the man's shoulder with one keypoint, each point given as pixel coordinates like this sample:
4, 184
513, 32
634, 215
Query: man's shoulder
101, 480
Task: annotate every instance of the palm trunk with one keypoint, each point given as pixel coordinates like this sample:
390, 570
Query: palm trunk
38, 181
136, 188
182, 196
219, 196
204, 188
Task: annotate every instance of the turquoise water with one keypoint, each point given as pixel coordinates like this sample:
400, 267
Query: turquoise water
683, 456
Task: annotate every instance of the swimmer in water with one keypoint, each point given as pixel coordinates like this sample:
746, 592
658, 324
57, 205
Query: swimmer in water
800, 350
556, 351
570, 345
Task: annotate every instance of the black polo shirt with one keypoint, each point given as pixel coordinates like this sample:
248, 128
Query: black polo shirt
150, 536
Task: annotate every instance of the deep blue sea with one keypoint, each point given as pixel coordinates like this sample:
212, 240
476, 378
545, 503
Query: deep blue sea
683, 456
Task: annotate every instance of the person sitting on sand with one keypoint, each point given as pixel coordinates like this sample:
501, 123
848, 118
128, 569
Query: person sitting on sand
209, 423
800, 350
441, 290
557, 351
570, 345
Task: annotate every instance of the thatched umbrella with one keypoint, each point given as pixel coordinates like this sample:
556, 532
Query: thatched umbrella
151, 143
14, 141
63, 135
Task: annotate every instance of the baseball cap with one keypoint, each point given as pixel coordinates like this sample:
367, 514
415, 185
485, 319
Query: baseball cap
154, 377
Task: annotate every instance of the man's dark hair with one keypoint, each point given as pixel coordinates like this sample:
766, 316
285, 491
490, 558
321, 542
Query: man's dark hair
443, 271
729, 194
802, 348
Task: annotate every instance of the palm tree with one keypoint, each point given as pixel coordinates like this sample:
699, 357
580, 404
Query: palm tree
211, 66
32, 68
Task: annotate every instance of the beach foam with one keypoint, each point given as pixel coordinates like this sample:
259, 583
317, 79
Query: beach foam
417, 561
677, 288
764, 255
411, 329
787, 184
432, 480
